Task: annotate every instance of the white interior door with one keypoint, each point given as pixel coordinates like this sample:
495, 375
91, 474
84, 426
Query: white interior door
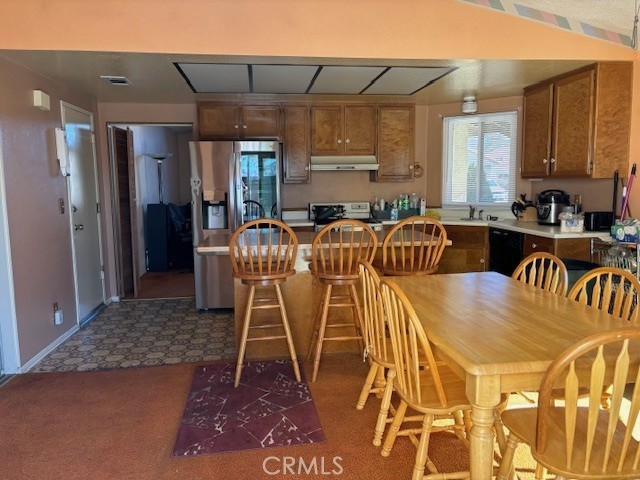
84, 209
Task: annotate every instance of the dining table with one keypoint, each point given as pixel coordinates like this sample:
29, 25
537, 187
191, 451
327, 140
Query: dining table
499, 335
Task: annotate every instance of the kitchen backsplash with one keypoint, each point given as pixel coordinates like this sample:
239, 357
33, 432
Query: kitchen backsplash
597, 195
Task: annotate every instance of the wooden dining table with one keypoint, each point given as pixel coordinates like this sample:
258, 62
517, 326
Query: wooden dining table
498, 334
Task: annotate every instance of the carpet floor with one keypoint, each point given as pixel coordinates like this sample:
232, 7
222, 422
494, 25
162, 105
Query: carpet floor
122, 424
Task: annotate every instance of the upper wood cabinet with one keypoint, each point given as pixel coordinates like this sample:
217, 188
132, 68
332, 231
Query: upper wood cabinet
296, 144
343, 130
395, 143
578, 124
235, 122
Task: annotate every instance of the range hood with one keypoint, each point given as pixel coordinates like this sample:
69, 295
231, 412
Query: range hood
344, 163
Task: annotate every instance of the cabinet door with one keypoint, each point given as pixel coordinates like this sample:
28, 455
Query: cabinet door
295, 159
218, 122
327, 128
533, 244
360, 130
260, 122
395, 143
573, 125
537, 131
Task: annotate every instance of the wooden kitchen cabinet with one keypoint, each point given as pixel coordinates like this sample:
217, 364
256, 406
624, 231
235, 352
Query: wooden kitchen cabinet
296, 144
396, 130
578, 124
343, 130
575, 248
238, 122
468, 252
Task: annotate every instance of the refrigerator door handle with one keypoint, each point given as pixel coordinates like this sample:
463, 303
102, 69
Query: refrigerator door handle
237, 190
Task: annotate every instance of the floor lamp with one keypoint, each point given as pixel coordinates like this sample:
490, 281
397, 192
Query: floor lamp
159, 157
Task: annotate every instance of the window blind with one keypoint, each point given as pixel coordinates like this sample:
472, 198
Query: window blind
479, 159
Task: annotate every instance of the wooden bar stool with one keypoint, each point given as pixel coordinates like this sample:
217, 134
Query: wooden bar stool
335, 252
413, 247
263, 254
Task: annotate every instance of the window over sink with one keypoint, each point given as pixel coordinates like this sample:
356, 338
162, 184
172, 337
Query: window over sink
479, 159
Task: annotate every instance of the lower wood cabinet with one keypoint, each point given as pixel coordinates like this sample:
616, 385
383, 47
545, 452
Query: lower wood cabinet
575, 248
468, 252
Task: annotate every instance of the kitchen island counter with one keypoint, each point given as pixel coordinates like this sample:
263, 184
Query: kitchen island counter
301, 292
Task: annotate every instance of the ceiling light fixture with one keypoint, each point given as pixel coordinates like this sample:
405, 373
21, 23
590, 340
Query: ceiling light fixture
469, 104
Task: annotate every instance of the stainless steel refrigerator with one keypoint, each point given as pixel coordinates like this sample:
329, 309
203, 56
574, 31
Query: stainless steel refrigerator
231, 183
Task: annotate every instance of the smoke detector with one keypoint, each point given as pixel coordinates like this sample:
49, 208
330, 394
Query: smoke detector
116, 80
469, 104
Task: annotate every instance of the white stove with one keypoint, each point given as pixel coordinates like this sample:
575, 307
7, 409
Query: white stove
339, 210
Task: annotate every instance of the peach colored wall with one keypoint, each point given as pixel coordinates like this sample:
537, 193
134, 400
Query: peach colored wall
40, 236
634, 152
130, 113
347, 28
434, 142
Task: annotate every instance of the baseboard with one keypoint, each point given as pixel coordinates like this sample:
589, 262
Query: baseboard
48, 349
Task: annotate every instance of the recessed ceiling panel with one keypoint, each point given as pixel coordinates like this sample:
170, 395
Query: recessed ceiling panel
406, 80
216, 77
282, 78
344, 80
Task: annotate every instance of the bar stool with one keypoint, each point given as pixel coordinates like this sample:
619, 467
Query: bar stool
263, 254
413, 247
335, 252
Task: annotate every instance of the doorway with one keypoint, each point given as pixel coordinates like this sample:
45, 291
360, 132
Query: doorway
84, 206
150, 181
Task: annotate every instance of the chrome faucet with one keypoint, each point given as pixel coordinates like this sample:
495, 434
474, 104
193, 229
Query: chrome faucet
480, 214
472, 212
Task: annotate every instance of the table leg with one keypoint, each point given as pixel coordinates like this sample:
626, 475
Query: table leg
484, 394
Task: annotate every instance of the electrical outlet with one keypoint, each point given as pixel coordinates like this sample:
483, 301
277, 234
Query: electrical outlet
57, 314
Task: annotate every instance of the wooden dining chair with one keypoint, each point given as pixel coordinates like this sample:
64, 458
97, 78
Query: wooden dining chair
335, 253
610, 289
413, 247
432, 391
263, 254
543, 270
582, 440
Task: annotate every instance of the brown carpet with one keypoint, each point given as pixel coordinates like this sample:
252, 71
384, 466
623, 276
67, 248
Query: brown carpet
122, 424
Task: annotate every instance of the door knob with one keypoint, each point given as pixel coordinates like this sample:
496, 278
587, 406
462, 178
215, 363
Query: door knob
78, 227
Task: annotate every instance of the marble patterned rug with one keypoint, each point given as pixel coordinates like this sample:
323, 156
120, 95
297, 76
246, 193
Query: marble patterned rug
268, 409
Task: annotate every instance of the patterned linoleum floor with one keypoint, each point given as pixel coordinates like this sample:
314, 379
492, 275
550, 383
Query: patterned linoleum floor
145, 333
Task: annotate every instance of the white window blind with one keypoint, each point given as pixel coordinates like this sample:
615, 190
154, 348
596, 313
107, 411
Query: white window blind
479, 159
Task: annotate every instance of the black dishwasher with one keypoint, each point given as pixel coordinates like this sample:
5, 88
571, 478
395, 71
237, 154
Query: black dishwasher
505, 250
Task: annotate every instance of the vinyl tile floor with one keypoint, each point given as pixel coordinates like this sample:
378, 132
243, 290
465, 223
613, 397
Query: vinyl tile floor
144, 333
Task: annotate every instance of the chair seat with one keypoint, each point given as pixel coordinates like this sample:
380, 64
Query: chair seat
336, 278
521, 422
454, 390
408, 271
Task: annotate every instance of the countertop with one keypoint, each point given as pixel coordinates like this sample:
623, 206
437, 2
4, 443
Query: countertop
218, 244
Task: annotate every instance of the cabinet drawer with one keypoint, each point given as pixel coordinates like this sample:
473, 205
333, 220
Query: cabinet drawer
463, 235
533, 244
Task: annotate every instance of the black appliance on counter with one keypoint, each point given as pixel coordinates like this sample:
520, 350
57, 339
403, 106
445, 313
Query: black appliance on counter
598, 221
550, 204
505, 250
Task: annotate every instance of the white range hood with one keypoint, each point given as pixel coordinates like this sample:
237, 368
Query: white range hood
344, 163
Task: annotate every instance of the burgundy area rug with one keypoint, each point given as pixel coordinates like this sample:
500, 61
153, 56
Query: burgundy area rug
268, 409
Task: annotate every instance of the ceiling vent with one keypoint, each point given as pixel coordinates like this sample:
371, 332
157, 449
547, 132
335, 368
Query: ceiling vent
116, 80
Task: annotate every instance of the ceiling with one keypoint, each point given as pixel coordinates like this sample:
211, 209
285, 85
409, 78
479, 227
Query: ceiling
156, 78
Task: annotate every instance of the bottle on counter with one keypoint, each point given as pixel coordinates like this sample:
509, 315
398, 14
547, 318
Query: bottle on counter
382, 204
414, 201
423, 206
376, 205
394, 211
